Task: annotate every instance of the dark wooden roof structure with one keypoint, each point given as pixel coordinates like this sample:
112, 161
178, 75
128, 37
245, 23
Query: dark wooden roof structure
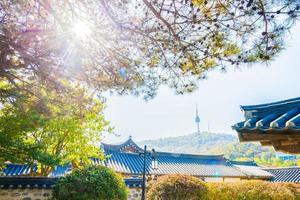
273, 124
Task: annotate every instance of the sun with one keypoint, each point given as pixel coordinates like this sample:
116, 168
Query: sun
81, 30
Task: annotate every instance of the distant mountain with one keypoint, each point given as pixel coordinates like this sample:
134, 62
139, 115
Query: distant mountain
218, 143
198, 143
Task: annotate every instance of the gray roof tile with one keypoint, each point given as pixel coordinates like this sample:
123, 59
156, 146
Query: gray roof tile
287, 174
277, 116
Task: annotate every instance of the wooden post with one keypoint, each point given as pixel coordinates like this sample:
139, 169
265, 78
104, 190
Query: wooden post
144, 173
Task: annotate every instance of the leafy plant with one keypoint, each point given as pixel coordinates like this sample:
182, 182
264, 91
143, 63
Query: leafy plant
93, 183
51, 129
177, 187
251, 190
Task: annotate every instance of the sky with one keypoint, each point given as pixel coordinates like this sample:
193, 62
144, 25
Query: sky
218, 99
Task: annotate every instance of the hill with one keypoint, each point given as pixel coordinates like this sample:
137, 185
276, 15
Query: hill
218, 143
203, 143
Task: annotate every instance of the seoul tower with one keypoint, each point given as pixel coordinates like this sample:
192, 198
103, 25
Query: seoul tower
197, 120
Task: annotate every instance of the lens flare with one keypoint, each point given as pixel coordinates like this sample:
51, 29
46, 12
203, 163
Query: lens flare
81, 30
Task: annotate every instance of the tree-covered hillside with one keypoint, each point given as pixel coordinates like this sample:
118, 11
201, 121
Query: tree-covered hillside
219, 143
194, 143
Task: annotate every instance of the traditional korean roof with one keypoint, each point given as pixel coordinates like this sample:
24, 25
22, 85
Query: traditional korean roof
25, 170
128, 146
274, 124
18, 169
126, 158
169, 163
285, 174
252, 169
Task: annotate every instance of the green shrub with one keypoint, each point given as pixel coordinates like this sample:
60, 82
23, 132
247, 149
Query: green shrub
93, 183
292, 187
177, 187
251, 190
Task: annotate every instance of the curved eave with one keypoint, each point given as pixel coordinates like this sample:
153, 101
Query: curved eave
273, 104
295, 129
128, 142
281, 168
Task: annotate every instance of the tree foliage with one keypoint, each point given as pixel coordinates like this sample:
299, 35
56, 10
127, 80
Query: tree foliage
137, 45
36, 130
264, 156
90, 184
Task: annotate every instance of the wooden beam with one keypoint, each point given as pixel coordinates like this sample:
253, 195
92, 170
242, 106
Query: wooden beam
289, 142
295, 149
266, 143
260, 137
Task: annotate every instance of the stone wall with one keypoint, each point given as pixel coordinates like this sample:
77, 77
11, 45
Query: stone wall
25, 194
40, 188
44, 194
134, 194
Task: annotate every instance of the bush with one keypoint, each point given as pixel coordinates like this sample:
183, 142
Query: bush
293, 187
92, 183
251, 190
177, 187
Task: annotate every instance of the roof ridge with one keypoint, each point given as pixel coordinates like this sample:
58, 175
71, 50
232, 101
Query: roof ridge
188, 154
129, 141
248, 163
276, 103
281, 168
18, 164
117, 144
161, 153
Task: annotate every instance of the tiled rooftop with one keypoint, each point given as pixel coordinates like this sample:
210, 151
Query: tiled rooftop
286, 174
274, 124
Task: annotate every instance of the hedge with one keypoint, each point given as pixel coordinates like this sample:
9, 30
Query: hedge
252, 190
93, 183
185, 187
177, 187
